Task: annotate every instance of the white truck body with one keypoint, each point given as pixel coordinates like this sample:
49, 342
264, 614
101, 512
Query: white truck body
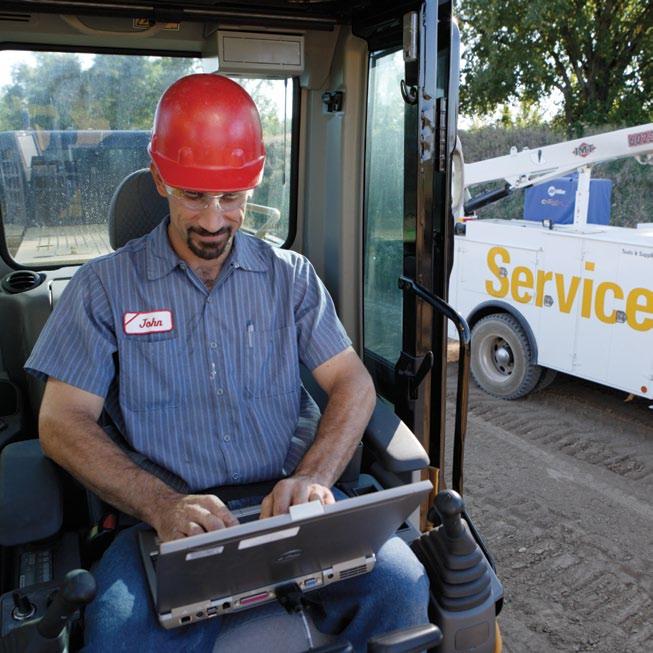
583, 293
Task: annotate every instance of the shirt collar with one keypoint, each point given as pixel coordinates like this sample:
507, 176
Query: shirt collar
162, 259
246, 254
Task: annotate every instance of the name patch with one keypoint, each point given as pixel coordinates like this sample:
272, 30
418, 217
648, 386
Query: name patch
140, 323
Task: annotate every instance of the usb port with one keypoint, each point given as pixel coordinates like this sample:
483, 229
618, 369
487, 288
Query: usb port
211, 611
311, 582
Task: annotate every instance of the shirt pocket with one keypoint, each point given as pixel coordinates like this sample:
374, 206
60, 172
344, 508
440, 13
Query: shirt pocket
271, 363
150, 372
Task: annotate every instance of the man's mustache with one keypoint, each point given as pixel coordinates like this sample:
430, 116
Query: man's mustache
203, 232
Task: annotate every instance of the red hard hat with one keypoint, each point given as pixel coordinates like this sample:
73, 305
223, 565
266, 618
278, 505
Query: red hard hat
207, 136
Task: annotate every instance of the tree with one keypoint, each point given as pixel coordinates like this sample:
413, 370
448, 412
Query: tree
598, 54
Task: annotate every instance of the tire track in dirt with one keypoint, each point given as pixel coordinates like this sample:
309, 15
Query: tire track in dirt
593, 425
559, 485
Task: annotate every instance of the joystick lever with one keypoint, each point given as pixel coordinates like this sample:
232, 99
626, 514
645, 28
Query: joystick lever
78, 589
49, 634
23, 609
462, 580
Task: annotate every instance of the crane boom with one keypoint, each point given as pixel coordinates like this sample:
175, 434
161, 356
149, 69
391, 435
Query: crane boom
527, 167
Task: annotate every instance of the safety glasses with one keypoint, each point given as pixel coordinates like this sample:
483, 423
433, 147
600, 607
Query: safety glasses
198, 201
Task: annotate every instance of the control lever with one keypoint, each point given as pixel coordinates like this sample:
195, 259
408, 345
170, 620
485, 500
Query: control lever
49, 634
464, 588
78, 590
23, 609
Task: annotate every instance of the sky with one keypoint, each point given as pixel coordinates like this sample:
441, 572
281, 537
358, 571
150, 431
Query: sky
9, 58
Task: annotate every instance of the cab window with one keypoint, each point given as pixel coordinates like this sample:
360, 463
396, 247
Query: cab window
384, 207
74, 125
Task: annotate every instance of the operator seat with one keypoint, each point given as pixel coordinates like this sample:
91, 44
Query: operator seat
136, 208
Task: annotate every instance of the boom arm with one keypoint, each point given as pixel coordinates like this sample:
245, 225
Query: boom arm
524, 168
529, 167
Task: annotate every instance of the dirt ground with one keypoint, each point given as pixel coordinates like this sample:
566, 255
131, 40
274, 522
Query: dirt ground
560, 485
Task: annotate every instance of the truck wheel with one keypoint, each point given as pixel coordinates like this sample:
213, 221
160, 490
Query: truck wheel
501, 362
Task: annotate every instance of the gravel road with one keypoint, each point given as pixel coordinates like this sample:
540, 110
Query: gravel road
560, 485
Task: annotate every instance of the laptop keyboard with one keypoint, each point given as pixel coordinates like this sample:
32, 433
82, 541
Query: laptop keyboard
246, 515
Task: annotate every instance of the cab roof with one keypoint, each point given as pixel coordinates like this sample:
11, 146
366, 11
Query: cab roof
379, 22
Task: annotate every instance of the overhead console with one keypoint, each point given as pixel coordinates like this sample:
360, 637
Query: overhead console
260, 53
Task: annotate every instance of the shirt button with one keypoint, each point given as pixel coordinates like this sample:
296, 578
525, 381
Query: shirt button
226, 438
220, 392
235, 476
208, 300
213, 345
182, 266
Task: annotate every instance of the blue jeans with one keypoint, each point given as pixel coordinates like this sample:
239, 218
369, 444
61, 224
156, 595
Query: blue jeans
122, 617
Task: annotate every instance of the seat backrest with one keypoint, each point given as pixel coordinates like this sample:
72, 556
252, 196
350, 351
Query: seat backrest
136, 208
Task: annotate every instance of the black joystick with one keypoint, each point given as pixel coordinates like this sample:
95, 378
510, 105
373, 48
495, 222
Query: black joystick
461, 579
450, 506
49, 634
78, 589
23, 609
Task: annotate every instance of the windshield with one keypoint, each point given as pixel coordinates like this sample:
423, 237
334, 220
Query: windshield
74, 125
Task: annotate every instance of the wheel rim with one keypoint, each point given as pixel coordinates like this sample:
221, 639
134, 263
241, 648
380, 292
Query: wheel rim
497, 358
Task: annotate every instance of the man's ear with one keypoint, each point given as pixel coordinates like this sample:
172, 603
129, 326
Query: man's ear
158, 182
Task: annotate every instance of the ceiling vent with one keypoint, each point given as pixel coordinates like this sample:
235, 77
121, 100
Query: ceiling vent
21, 280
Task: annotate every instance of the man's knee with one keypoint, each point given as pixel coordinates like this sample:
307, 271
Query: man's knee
123, 602
402, 574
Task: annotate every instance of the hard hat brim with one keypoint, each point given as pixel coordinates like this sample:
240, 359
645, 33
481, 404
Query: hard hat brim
209, 179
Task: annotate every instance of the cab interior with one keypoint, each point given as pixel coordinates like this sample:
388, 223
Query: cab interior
359, 104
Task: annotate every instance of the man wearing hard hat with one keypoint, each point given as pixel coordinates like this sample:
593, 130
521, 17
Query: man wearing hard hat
190, 338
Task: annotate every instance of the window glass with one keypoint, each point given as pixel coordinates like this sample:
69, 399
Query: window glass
73, 125
384, 211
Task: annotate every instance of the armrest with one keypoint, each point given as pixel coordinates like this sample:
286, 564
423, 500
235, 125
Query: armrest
31, 502
393, 443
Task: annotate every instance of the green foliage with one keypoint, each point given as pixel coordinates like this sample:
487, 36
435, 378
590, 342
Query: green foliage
595, 54
631, 190
115, 92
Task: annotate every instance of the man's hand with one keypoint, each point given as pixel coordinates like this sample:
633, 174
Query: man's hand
190, 514
292, 491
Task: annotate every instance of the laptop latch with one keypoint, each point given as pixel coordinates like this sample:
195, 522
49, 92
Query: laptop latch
303, 510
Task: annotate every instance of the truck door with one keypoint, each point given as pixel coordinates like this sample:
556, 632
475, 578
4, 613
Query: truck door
411, 117
631, 359
559, 310
595, 338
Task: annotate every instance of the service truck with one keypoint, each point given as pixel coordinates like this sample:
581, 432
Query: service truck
541, 296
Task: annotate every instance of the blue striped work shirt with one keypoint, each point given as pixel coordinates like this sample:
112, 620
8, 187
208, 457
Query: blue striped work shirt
203, 384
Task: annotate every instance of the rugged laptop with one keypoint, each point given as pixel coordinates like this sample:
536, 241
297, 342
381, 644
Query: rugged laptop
236, 568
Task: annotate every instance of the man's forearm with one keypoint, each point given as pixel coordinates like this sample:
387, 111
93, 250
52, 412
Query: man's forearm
81, 447
341, 428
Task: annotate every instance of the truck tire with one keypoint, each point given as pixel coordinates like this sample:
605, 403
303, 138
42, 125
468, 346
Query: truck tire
502, 357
